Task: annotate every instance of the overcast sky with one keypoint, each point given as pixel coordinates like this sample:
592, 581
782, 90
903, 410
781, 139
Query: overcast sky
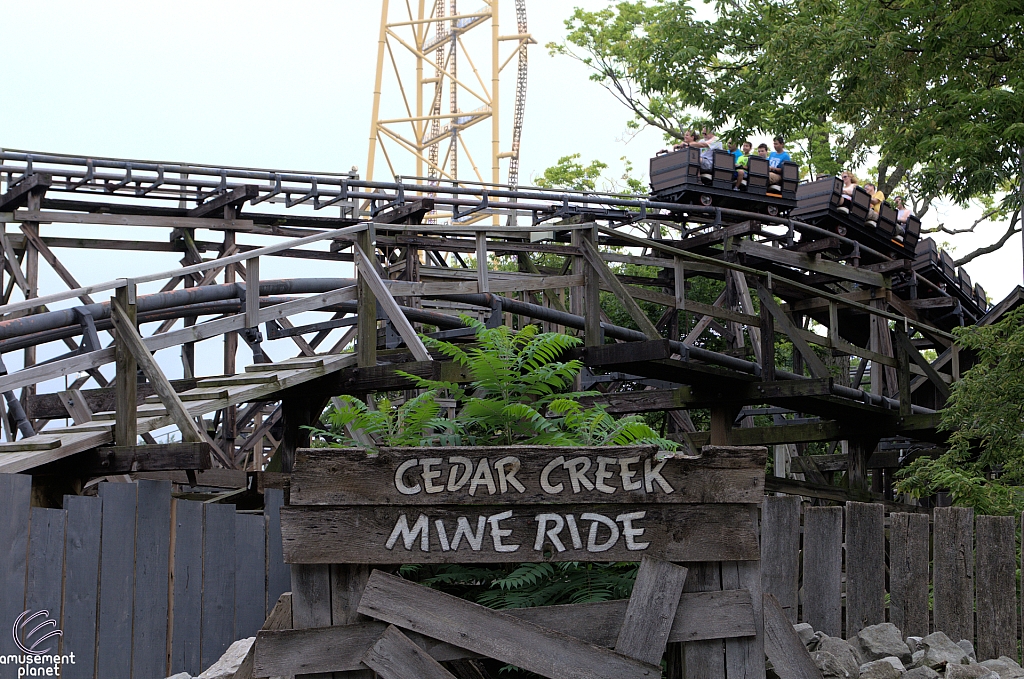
281, 85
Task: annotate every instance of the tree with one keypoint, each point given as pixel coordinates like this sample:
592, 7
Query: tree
933, 89
984, 466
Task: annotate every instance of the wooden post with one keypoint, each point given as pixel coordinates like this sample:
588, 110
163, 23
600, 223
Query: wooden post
252, 292
767, 345
188, 350
366, 333
481, 262
857, 460
229, 422
591, 296
125, 382
31, 279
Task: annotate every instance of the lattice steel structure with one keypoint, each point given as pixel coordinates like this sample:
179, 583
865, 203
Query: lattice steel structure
445, 85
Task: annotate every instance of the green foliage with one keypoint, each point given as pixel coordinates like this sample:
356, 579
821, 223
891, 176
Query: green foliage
519, 394
984, 466
936, 88
570, 174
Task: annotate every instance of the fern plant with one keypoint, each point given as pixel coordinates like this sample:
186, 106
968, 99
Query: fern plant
414, 422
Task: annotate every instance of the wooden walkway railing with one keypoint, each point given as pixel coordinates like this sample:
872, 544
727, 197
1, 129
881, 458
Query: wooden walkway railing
954, 573
142, 585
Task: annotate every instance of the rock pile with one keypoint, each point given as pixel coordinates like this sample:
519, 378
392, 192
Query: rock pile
881, 652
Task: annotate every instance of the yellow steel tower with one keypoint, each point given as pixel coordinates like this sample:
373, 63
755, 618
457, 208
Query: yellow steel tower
438, 80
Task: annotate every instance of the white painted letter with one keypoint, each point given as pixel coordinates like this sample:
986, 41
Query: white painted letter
483, 477
627, 474
592, 545
629, 532
654, 475
442, 535
463, 530
574, 532
602, 474
578, 467
430, 474
400, 482
497, 532
421, 528
545, 483
542, 528
505, 478
455, 461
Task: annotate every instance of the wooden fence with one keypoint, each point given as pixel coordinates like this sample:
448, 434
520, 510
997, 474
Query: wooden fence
954, 572
141, 584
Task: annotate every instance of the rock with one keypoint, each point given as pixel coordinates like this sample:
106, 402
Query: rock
968, 649
226, 667
939, 652
830, 666
916, 658
881, 641
1006, 668
806, 633
881, 669
970, 672
913, 643
181, 675
843, 652
921, 673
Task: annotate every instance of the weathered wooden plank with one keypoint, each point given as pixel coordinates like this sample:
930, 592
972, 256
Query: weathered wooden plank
45, 576
700, 615
126, 459
996, 594
250, 575
388, 535
865, 566
81, 583
704, 659
117, 581
482, 475
823, 569
394, 656
187, 575
782, 644
744, 656
279, 577
909, 559
651, 610
493, 634
152, 579
218, 581
311, 603
953, 571
780, 551
15, 502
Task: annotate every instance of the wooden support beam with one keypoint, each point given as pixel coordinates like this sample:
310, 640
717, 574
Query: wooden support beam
76, 405
32, 236
914, 355
593, 257
481, 262
372, 279
20, 193
395, 656
128, 338
125, 382
818, 368
366, 328
110, 460
234, 198
252, 292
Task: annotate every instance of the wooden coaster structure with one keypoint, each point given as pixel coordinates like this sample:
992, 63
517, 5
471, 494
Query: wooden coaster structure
831, 297
350, 513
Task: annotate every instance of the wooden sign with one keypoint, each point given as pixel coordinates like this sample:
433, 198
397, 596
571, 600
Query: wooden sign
522, 504
526, 475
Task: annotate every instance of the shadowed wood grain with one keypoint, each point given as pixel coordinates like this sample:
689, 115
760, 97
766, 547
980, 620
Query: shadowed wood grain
493, 634
865, 566
394, 656
81, 583
996, 596
187, 539
823, 569
704, 659
651, 610
360, 534
434, 476
152, 579
953, 574
909, 558
780, 551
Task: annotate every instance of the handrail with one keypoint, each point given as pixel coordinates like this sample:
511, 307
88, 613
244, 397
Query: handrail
182, 271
